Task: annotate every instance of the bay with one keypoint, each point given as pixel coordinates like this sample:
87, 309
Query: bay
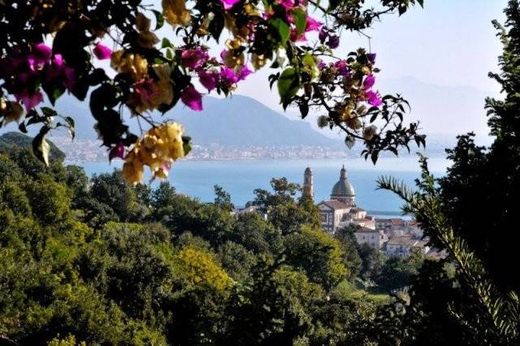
241, 177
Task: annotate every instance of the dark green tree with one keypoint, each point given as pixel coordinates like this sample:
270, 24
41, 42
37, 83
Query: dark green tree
223, 198
471, 213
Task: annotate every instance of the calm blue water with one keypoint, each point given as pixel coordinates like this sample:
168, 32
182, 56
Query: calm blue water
240, 178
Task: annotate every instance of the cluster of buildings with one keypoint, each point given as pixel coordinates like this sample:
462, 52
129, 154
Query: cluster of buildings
393, 236
86, 150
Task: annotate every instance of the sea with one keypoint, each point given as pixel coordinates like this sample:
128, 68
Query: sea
241, 177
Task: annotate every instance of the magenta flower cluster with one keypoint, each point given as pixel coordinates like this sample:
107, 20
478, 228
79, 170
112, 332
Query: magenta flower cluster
372, 97
211, 74
24, 74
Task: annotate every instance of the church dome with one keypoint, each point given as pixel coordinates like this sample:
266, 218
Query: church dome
343, 188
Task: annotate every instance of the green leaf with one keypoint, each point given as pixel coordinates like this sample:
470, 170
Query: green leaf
310, 65
159, 18
350, 141
216, 26
300, 20
40, 146
22, 127
304, 109
288, 85
165, 43
48, 112
283, 29
71, 126
186, 144
169, 54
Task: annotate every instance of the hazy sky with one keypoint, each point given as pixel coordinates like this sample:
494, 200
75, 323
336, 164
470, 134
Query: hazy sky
438, 56
448, 43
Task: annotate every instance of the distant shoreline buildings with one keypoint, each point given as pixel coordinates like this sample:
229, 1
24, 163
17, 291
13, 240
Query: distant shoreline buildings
393, 236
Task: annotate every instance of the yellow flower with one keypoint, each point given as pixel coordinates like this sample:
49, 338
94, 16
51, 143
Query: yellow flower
147, 39
133, 64
163, 72
346, 113
366, 70
354, 123
158, 148
258, 61
133, 169
149, 93
10, 111
142, 22
369, 132
234, 56
175, 12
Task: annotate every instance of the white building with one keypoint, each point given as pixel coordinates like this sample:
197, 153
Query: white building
341, 209
332, 214
403, 246
373, 238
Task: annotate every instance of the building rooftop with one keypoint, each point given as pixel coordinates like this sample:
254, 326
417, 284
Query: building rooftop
343, 188
366, 230
335, 204
402, 240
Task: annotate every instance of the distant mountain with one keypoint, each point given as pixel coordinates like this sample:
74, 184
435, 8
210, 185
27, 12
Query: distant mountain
14, 139
442, 110
235, 121
242, 121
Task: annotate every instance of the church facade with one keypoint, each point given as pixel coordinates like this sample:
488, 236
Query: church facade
340, 210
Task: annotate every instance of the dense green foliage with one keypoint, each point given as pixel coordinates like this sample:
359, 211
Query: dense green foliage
10, 139
99, 261
471, 213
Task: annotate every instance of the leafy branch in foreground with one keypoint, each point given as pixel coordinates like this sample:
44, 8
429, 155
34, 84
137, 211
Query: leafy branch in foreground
51, 48
502, 310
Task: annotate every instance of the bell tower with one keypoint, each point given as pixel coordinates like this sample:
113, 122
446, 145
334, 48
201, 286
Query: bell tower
308, 185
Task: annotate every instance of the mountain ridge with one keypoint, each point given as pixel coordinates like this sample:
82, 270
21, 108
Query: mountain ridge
235, 121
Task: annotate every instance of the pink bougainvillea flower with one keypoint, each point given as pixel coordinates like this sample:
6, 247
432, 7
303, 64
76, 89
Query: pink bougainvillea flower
373, 98
69, 77
102, 52
333, 41
295, 37
323, 35
30, 100
228, 76
146, 89
208, 79
192, 98
228, 4
372, 57
244, 72
342, 68
57, 60
287, 4
194, 58
321, 64
39, 56
369, 81
60, 73
313, 24
117, 152
224, 54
